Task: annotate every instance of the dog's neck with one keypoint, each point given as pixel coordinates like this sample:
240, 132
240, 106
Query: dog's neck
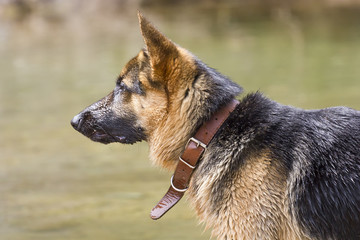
188, 160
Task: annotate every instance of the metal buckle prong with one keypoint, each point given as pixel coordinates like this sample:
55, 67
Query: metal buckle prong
187, 164
198, 143
175, 188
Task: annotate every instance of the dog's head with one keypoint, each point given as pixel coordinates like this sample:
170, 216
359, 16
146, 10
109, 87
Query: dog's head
162, 95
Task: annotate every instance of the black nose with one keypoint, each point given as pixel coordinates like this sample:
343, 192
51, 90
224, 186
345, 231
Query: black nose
76, 122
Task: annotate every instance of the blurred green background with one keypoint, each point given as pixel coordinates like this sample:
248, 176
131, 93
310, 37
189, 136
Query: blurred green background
57, 57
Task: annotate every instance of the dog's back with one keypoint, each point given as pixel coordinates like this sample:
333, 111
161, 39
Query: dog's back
324, 180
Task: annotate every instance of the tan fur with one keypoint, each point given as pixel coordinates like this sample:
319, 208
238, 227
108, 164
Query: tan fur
167, 127
169, 137
254, 207
158, 112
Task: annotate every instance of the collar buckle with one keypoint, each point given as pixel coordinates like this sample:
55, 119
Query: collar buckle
198, 143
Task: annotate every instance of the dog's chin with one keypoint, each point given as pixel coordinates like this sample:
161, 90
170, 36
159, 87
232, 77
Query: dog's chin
100, 134
105, 138
125, 140
101, 137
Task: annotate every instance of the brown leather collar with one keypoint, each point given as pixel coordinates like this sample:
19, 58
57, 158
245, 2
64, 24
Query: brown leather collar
189, 158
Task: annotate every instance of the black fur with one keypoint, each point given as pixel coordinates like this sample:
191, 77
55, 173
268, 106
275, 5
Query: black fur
101, 124
207, 102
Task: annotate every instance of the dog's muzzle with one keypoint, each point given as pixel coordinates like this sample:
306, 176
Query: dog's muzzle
107, 130
85, 124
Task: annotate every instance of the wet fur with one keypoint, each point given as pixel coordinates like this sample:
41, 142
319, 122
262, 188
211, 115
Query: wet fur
272, 171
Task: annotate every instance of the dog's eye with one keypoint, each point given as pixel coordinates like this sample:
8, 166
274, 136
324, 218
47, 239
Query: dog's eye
121, 86
120, 83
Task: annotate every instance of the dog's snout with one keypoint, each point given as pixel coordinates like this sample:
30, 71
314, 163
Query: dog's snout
76, 121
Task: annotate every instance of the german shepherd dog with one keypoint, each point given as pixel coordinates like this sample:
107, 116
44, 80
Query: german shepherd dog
271, 171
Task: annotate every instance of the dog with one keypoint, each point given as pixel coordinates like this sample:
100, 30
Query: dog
270, 172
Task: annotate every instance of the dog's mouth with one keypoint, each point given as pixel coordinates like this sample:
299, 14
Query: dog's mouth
97, 133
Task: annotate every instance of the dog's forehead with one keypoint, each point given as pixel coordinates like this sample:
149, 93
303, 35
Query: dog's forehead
135, 63
130, 67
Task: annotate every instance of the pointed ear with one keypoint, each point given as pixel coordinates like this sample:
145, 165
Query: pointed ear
161, 50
